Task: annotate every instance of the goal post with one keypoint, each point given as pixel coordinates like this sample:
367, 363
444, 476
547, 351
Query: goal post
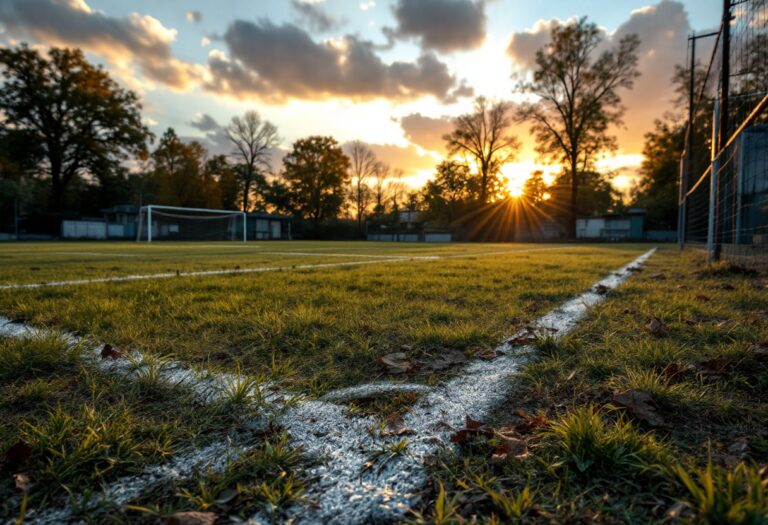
157, 222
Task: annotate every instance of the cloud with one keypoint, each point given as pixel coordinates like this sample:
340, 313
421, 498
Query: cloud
214, 138
194, 16
138, 39
278, 62
426, 132
314, 16
441, 25
663, 30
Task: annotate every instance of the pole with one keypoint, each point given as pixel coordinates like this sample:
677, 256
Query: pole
712, 254
245, 227
149, 223
722, 136
686, 163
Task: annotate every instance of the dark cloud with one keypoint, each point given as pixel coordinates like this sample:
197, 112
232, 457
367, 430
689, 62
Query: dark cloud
135, 39
276, 62
214, 136
314, 16
426, 132
441, 25
663, 30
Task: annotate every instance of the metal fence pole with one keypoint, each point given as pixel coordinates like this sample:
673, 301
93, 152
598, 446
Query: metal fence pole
712, 219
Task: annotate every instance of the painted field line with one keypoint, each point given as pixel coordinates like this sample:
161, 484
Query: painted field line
99, 254
348, 491
170, 275
352, 255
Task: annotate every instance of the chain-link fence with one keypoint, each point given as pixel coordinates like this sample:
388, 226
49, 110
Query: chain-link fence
724, 168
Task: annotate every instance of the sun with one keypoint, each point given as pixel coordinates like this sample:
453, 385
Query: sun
515, 188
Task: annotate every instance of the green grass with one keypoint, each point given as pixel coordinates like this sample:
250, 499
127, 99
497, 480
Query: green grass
596, 460
325, 328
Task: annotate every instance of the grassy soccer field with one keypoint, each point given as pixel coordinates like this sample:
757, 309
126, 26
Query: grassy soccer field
311, 317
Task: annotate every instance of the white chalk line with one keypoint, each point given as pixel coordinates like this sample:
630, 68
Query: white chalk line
234, 271
347, 492
99, 254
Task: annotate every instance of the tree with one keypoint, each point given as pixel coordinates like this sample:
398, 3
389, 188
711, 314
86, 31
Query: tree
448, 191
252, 138
578, 98
317, 173
484, 136
218, 168
381, 174
534, 187
363, 166
179, 174
82, 120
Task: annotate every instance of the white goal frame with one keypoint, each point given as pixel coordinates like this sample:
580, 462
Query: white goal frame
148, 208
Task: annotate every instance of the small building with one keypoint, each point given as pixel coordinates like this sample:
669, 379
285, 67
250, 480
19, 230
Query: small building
613, 227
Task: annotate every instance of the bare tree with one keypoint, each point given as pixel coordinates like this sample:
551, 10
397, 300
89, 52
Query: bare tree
483, 135
252, 138
577, 98
381, 172
363, 167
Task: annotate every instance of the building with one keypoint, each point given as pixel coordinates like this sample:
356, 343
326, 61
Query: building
121, 223
613, 227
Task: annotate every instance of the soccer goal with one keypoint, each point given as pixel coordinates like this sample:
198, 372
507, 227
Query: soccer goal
172, 223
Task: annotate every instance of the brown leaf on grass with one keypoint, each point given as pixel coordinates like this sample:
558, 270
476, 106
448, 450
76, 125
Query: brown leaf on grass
397, 363
727, 286
675, 372
629, 311
658, 276
192, 518
522, 338
22, 482
531, 423
108, 352
473, 428
600, 289
634, 269
714, 369
488, 355
640, 404
17, 455
656, 327
702, 298
395, 426
448, 358
510, 446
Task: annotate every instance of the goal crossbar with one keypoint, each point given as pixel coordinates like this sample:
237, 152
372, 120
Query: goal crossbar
160, 208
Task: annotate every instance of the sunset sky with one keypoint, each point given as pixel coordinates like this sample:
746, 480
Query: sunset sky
387, 72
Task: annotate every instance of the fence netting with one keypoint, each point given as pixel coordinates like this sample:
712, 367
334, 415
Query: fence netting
724, 169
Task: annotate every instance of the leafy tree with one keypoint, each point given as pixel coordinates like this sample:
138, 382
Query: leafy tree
252, 139
219, 169
447, 193
179, 173
534, 187
363, 166
317, 173
81, 119
659, 173
578, 98
597, 195
484, 135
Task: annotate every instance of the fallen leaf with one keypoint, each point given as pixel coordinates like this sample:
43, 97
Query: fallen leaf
22, 482
17, 455
531, 423
395, 426
448, 358
509, 446
488, 355
397, 363
108, 352
674, 372
641, 405
192, 518
473, 429
601, 289
658, 276
656, 327
225, 496
634, 269
522, 338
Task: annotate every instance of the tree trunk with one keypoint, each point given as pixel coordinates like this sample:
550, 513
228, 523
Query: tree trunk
573, 211
246, 191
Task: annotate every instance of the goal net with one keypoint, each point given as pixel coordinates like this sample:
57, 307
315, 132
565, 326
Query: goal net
171, 223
